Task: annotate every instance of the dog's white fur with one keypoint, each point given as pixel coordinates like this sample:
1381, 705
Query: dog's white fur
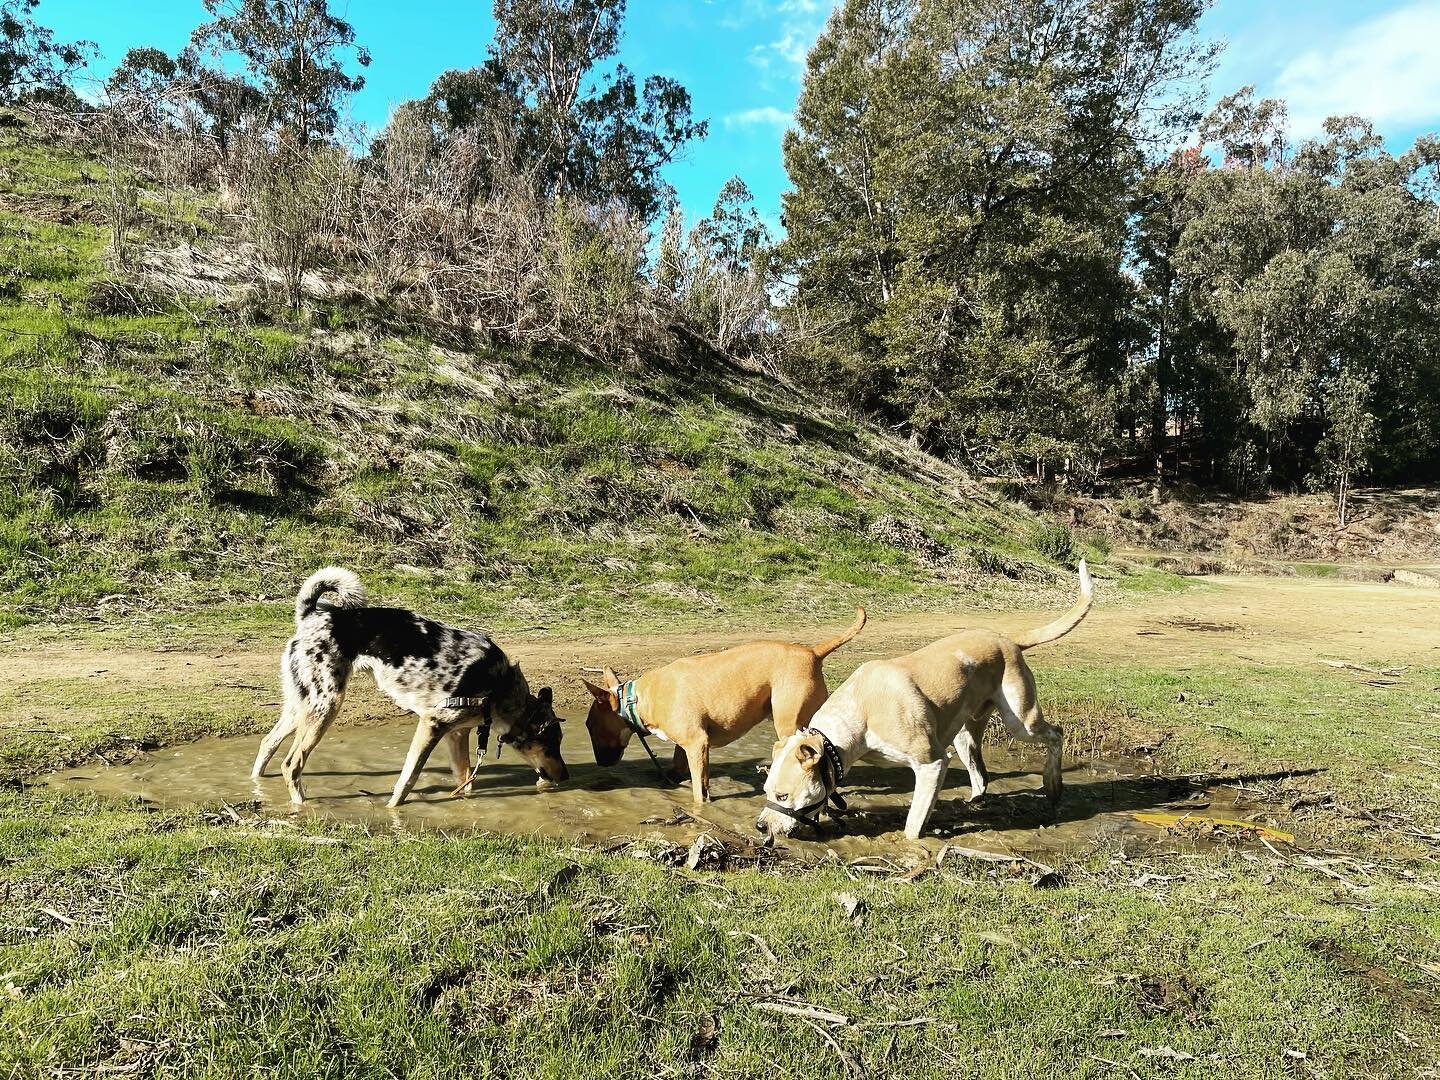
911, 709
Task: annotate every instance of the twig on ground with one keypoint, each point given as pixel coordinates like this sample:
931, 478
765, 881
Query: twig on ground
804, 1010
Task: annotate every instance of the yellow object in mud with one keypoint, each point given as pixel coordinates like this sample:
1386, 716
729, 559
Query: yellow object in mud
1171, 821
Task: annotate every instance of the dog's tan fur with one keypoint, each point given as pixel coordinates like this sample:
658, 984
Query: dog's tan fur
704, 701
911, 709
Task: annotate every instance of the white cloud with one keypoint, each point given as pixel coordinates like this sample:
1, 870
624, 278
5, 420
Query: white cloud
1386, 69
792, 27
763, 116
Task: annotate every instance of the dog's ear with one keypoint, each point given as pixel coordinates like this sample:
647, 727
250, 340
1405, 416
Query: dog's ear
600, 695
545, 696
779, 745
807, 754
611, 679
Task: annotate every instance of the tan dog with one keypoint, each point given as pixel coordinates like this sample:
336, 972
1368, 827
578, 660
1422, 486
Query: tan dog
712, 700
909, 710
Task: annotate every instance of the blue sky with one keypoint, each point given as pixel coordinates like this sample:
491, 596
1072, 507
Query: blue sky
742, 61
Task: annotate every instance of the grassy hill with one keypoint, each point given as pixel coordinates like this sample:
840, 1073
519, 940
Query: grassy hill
170, 441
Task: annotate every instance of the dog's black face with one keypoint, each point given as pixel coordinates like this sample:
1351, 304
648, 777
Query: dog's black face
538, 742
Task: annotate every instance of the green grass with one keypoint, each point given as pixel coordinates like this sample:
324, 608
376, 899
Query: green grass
187, 944
183, 456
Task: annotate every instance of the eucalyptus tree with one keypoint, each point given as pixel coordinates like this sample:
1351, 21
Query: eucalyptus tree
957, 232
31, 60
564, 111
295, 55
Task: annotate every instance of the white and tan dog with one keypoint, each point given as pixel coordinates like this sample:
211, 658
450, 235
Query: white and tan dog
909, 710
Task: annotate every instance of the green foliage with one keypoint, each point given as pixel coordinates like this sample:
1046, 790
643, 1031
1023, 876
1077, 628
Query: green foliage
32, 62
957, 227
293, 51
548, 98
1054, 541
1282, 287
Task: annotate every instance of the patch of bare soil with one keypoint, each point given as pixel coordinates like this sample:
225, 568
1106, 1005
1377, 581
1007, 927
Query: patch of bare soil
1240, 620
61, 209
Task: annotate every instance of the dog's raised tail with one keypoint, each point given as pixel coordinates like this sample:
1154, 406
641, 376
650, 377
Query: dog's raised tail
335, 585
825, 648
1067, 622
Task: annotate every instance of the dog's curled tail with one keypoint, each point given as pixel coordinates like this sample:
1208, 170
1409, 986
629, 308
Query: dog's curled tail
1067, 622
337, 586
825, 648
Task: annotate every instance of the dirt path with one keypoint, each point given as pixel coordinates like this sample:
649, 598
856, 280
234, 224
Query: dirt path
1286, 620
1227, 621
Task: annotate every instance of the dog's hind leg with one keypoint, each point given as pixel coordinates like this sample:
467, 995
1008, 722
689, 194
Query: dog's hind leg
311, 723
1019, 708
967, 746
284, 727
428, 734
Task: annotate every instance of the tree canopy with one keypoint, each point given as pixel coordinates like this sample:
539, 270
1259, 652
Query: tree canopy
570, 117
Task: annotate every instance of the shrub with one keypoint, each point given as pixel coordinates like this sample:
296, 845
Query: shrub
1054, 541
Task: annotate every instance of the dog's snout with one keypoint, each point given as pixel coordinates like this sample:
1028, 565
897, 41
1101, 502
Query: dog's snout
760, 825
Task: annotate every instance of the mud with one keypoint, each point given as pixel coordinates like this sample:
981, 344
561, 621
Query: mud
350, 776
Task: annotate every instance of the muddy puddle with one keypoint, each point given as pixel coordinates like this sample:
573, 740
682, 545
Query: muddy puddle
352, 771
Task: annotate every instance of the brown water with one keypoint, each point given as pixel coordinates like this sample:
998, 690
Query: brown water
351, 773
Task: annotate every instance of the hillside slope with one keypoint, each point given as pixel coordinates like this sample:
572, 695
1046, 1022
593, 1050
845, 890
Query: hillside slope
167, 442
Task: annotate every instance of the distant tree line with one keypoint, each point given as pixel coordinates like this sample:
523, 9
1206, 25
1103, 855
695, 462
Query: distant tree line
1012, 233
992, 244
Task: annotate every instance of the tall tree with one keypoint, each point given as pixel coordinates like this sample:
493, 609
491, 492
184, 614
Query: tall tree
957, 230
31, 60
294, 52
571, 118
1305, 270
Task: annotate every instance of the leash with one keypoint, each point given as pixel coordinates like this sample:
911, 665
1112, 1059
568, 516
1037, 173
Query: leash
810, 814
630, 714
482, 732
482, 735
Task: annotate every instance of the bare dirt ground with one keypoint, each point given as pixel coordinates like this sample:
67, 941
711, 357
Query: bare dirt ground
1267, 619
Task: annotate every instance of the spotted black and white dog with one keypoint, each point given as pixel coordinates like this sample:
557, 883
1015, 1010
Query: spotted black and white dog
454, 680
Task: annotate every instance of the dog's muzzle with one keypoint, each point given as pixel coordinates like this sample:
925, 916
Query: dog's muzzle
806, 815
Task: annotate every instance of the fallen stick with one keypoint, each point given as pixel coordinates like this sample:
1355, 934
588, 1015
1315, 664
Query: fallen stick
803, 1010
849, 1062
759, 942
1170, 821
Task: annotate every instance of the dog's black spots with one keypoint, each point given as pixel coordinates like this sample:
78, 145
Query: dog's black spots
396, 637
484, 675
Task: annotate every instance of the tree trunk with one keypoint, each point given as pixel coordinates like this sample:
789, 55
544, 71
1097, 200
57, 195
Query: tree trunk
1159, 416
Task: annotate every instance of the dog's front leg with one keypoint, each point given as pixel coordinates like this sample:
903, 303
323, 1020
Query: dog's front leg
427, 734
460, 758
698, 754
929, 779
679, 766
